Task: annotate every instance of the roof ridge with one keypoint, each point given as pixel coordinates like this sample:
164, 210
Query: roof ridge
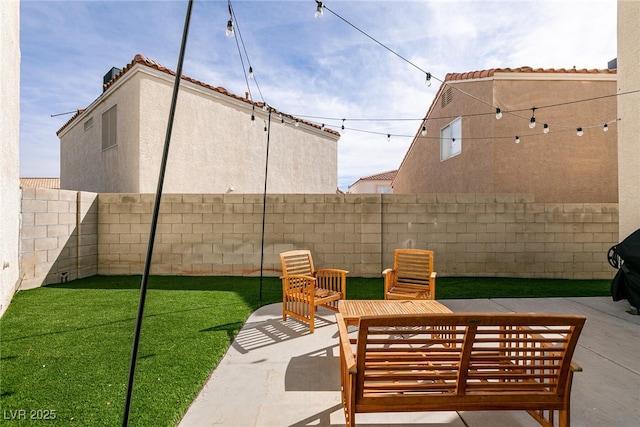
143, 60
478, 74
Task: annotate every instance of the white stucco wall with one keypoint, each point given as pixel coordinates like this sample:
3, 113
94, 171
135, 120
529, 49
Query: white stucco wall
9, 145
214, 145
84, 165
629, 113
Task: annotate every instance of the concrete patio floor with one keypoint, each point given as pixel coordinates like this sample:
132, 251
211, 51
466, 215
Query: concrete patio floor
277, 374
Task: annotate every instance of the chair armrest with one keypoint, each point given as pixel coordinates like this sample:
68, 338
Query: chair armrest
389, 275
345, 345
331, 270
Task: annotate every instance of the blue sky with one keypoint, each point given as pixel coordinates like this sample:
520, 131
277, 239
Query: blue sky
323, 69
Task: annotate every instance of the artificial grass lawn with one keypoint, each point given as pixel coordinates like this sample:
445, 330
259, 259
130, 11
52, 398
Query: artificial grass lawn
65, 349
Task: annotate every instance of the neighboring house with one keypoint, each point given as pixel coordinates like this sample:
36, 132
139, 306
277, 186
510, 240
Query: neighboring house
379, 183
467, 149
52, 183
218, 144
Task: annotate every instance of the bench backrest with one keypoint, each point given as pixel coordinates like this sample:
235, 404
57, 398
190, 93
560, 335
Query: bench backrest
461, 358
297, 262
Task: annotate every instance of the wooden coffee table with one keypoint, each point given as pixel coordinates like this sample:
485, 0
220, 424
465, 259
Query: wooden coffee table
352, 310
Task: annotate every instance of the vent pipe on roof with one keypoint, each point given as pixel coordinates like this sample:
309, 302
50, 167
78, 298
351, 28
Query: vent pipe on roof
111, 74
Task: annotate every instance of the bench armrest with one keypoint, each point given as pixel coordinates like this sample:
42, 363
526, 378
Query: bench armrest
345, 345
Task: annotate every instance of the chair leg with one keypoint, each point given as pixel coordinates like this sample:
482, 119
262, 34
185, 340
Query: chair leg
312, 316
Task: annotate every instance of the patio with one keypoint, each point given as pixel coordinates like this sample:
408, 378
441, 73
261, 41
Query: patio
277, 374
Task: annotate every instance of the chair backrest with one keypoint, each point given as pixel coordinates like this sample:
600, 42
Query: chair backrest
413, 266
296, 262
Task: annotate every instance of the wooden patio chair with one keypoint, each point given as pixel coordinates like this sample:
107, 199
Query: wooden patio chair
412, 275
305, 288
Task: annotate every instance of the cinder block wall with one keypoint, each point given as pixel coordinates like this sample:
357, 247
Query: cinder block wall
58, 236
472, 234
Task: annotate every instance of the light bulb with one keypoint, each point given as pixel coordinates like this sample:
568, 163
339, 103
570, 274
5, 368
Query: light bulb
253, 113
579, 132
546, 128
319, 11
424, 131
265, 126
297, 123
428, 80
517, 139
498, 114
342, 128
532, 123
281, 118
605, 127
230, 28
250, 72
388, 137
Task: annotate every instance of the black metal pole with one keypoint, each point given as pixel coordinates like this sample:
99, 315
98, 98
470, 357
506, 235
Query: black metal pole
264, 204
154, 219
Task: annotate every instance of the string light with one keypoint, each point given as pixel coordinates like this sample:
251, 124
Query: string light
388, 137
532, 122
281, 118
297, 123
342, 128
545, 128
319, 11
579, 132
423, 132
498, 113
605, 128
265, 125
229, 31
428, 79
250, 72
517, 139
253, 113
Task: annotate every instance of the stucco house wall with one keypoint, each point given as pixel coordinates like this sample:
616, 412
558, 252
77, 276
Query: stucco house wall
215, 146
9, 149
629, 113
556, 167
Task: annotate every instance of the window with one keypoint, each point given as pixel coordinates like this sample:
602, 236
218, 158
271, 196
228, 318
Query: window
451, 139
109, 128
383, 189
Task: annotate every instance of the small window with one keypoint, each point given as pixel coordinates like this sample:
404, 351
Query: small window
383, 189
88, 124
451, 139
109, 128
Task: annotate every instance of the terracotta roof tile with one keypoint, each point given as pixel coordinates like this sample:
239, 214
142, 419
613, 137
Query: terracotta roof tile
53, 183
143, 60
470, 75
381, 176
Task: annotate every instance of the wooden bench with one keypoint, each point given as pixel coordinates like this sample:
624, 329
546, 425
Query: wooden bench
460, 362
